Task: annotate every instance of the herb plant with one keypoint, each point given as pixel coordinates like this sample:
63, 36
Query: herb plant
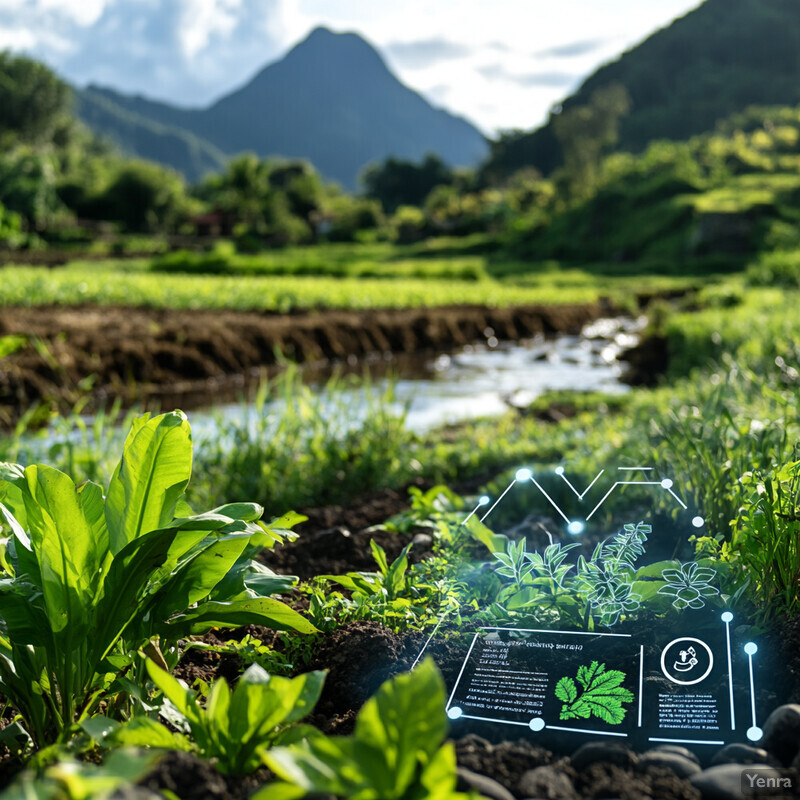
395, 753
233, 728
96, 577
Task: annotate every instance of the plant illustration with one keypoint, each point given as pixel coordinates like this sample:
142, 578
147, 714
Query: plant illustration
602, 694
628, 545
608, 576
515, 562
689, 584
551, 563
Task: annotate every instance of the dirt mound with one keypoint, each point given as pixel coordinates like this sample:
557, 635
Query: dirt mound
186, 357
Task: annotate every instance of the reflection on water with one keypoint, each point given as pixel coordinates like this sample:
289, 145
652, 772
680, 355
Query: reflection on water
485, 379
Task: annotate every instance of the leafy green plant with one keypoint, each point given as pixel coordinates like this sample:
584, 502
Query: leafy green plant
766, 540
398, 597
601, 695
233, 728
96, 577
395, 753
69, 779
689, 584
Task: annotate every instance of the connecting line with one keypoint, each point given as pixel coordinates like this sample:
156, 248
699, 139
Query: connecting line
641, 681
685, 741
428, 641
622, 483
584, 730
683, 505
508, 489
472, 513
583, 493
730, 675
463, 667
752, 690
635, 469
552, 502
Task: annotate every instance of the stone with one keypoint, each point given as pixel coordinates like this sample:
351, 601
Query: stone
480, 783
602, 752
723, 782
683, 767
743, 754
547, 782
678, 750
422, 540
782, 733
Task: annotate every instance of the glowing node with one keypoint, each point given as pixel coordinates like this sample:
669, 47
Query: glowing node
698, 522
559, 470
455, 712
666, 483
751, 648
575, 527
755, 733
727, 616
484, 500
524, 474
536, 724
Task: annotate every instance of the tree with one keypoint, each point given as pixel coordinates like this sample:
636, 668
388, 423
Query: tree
145, 197
586, 133
33, 100
396, 183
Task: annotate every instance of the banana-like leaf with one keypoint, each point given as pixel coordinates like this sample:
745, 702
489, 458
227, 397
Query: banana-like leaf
256, 611
150, 479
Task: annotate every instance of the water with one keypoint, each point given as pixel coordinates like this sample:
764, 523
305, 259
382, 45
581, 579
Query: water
478, 381
486, 379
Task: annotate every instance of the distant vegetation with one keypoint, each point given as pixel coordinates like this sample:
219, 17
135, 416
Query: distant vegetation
717, 202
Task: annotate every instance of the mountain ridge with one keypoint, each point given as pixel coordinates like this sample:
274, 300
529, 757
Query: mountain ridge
332, 81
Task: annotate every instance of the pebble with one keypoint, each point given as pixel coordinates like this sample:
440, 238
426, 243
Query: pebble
605, 752
743, 754
683, 767
547, 782
677, 750
723, 782
423, 540
480, 783
782, 732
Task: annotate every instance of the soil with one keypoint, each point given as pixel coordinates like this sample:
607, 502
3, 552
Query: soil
181, 358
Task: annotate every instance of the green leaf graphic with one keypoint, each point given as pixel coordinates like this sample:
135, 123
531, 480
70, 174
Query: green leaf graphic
602, 695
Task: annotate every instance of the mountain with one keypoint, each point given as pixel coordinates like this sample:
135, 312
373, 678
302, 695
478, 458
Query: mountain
331, 100
685, 78
142, 136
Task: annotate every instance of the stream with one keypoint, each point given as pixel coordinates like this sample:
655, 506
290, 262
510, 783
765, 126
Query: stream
483, 379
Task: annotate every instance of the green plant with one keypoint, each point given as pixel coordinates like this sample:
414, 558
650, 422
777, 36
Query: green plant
399, 598
96, 577
233, 728
602, 694
395, 753
766, 539
69, 779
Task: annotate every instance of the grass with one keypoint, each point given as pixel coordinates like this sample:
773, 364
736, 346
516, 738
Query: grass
130, 284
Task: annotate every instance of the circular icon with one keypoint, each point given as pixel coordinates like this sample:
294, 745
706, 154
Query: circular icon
454, 712
754, 734
536, 724
686, 661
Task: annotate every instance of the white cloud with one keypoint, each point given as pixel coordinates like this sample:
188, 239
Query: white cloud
500, 65
81, 12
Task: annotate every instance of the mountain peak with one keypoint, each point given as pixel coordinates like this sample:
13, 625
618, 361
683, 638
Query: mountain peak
324, 47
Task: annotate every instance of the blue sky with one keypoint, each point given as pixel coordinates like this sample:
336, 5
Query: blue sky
500, 63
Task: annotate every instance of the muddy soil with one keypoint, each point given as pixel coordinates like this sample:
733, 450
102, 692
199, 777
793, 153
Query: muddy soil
189, 358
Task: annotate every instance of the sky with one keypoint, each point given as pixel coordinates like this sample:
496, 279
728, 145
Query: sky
500, 63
